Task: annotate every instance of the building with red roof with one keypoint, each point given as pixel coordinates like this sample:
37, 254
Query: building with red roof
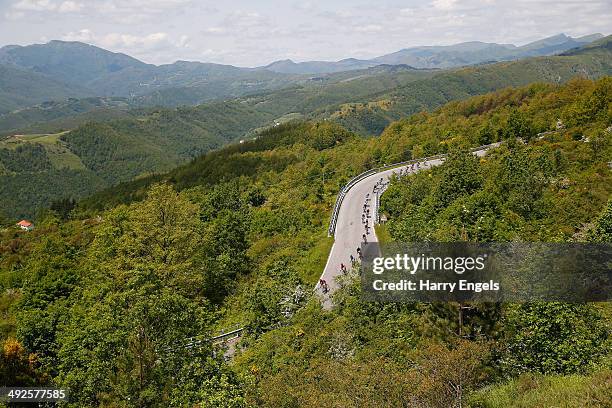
25, 225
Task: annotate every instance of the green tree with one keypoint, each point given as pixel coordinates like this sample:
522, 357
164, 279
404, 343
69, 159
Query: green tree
519, 181
486, 134
4, 221
460, 175
552, 338
519, 126
125, 340
63, 207
603, 226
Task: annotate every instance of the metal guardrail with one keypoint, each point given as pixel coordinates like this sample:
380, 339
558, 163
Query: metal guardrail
334, 218
227, 336
377, 193
197, 341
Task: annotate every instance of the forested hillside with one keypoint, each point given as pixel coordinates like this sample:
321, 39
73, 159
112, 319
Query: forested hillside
109, 74
95, 298
126, 144
98, 155
371, 117
19, 88
58, 116
301, 97
132, 143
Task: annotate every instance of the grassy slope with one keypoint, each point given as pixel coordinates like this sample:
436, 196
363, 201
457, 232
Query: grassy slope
60, 156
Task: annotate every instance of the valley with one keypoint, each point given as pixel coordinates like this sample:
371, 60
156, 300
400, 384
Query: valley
245, 228
155, 140
186, 234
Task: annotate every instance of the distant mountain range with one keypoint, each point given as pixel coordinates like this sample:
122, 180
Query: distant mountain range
451, 56
73, 69
58, 70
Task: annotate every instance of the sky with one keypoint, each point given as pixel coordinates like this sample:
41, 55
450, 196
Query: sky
257, 32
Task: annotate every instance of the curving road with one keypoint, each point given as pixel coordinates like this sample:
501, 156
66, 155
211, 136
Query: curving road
350, 225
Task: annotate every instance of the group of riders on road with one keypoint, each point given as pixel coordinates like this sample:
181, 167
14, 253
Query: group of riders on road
365, 215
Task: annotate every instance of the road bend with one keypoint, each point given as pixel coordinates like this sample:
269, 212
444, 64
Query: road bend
351, 225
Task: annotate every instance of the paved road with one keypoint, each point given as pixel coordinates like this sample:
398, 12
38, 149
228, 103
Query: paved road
349, 227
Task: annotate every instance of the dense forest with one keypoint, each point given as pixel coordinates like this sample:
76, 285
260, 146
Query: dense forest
101, 298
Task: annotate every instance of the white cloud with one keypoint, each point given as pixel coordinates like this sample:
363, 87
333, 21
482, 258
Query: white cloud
84, 35
14, 15
215, 30
34, 5
121, 11
140, 11
116, 40
370, 28
70, 7
20, 8
184, 41
241, 18
444, 4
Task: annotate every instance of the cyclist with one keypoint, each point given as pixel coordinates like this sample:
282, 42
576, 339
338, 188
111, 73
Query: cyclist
324, 286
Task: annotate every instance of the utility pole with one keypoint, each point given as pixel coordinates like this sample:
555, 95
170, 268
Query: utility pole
460, 319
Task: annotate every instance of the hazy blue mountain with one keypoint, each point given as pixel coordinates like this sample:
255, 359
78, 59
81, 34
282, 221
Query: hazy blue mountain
70, 62
451, 56
475, 52
111, 74
554, 45
589, 38
318, 67
19, 88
